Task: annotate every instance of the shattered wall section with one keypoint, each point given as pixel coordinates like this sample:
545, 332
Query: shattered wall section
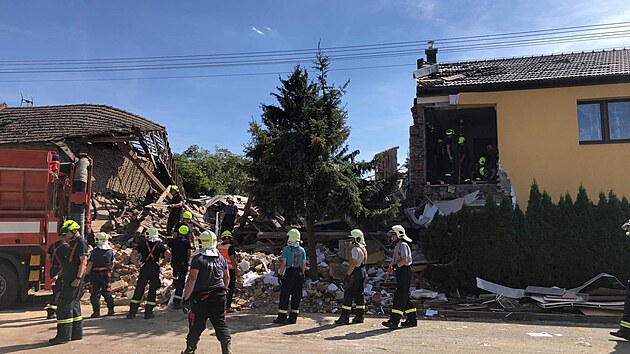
113, 172
417, 154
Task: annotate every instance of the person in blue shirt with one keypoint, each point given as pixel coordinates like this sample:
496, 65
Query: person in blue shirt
229, 217
291, 274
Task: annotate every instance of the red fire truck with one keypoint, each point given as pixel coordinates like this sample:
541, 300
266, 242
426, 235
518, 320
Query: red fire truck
38, 192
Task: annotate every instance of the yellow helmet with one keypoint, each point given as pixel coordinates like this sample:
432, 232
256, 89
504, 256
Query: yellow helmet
356, 235
450, 132
461, 140
175, 188
294, 235
482, 160
208, 240
187, 215
70, 225
183, 230
226, 233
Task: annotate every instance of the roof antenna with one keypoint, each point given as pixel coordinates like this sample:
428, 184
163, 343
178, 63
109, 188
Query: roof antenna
430, 43
27, 101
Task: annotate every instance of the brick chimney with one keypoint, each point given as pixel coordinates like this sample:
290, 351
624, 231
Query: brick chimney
431, 53
3, 105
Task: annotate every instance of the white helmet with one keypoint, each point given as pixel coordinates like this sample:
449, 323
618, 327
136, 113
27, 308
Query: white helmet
357, 236
100, 238
400, 232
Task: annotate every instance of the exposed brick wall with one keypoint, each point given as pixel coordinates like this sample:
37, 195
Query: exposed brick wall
417, 154
113, 172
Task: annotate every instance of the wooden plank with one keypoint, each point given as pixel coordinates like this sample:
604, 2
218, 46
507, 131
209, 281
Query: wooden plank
153, 180
163, 195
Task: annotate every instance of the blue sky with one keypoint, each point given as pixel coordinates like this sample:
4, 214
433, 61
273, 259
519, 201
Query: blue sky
215, 111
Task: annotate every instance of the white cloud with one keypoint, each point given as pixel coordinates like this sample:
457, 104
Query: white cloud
257, 31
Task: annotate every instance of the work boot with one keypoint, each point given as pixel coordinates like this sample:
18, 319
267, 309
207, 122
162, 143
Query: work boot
190, 349
358, 318
226, 347
292, 318
148, 312
344, 319
95, 315
409, 322
281, 319
63, 334
623, 333
110, 311
390, 323
77, 330
177, 303
50, 313
133, 310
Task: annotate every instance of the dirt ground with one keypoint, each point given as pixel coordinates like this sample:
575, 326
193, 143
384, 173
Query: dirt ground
26, 331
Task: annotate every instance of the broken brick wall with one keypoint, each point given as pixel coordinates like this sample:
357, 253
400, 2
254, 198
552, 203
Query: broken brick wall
113, 172
417, 154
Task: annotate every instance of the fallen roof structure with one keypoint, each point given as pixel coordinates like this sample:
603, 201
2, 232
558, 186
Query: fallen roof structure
70, 126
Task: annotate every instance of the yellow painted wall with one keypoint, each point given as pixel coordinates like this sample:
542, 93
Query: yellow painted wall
538, 139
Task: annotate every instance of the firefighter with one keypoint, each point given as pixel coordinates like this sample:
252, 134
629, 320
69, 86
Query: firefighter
99, 272
226, 247
150, 249
624, 327
401, 263
57, 254
354, 280
230, 213
69, 319
291, 274
176, 207
181, 251
187, 220
205, 294
449, 157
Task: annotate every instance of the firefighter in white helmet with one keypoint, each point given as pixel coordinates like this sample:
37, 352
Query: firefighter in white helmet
624, 325
99, 271
354, 279
204, 296
401, 263
147, 255
291, 274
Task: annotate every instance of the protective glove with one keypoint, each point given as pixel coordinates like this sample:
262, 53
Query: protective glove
186, 307
346, 280
280, 278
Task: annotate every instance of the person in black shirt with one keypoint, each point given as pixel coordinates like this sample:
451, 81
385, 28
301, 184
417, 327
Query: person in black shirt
99, 270
57, 254
176, 206
69, 320
187, 220
150, 249
180, 250
205, 294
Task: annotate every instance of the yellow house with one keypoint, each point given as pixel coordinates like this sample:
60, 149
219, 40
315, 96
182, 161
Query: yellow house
562, 120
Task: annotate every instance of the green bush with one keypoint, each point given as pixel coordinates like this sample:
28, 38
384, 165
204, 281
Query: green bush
561, 244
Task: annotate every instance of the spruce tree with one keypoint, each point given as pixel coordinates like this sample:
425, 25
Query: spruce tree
301, 165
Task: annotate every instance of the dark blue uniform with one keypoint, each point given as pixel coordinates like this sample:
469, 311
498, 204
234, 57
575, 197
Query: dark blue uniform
151, 252
175, 215
58, 252
179, 261
100, 277
69, 319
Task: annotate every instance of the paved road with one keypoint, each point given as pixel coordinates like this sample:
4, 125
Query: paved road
27, 331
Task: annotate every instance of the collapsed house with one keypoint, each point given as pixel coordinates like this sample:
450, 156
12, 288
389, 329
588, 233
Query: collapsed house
562, 120
131, 154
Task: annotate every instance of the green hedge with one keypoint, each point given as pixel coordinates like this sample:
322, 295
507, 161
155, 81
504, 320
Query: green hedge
550, 244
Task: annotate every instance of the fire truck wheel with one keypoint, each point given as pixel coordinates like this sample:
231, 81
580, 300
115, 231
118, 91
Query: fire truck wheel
8, 286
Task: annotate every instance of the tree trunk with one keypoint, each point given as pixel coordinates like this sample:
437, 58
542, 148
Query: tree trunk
312, 254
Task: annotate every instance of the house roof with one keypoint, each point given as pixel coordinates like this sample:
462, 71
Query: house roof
555, 70
53, 123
